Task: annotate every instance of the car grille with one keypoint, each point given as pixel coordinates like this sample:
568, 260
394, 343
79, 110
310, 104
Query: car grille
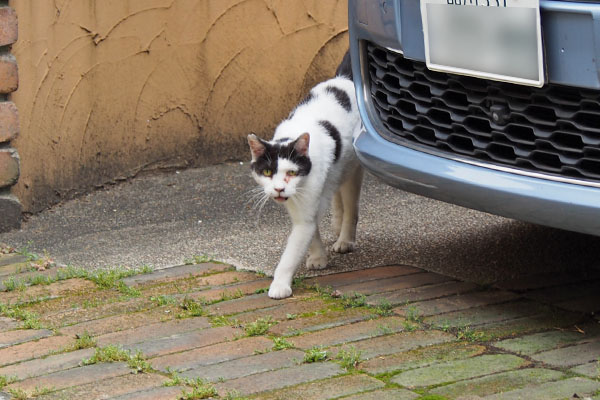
552, 130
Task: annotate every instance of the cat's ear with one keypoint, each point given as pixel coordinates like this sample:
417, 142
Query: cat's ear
301, 145
257, 148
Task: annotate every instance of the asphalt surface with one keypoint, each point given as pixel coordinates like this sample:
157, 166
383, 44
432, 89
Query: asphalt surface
162, 219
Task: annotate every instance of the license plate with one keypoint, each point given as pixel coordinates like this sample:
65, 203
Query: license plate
491, 39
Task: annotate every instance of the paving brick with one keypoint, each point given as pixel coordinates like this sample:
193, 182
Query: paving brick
349, 333
280, 378
421, 293
570, 356
73, 377
586, 304
184, 341
7, 324
29, 350
281, 311
47, 365
591, 370
249, 303
11, 338
218, 293
564, 293
159, 393
115, 323
9, 162
9, 117
551, 390
153, 331
118, 387
421, 357
13, 260
321, 321
548, 280
391, 284
487, 314
346, 278
390, 344
498, 383
54, 290
385, 394
535, 323
174, 273
9, 31
213, 354
458, 370
457, 303
247, 366
543, 341
327, 389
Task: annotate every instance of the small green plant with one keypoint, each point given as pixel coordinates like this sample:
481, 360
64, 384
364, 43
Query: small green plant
315, 354
110, 353
261, 290
201, 259
222, 320
413, 314
383, 308
280, 343
138, 363
6, 380
291, 316
408, 326
83, 341
18, 394
163, 300
231, 295
201, 389
11, 284
24, 251
29, 319
259, 327
354, 300
384, 329
466, 333
191, 308
235, 395
349, 358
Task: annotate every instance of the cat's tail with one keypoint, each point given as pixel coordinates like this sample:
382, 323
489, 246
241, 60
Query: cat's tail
345, 67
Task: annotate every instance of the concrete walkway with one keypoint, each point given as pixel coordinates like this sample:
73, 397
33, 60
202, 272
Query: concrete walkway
208, 331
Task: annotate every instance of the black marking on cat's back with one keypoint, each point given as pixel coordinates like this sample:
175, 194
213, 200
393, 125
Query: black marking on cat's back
341, 97
335, 135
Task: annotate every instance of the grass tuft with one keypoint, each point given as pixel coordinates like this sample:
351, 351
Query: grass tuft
354, 300
259, 327
280, 343
315, 354
349, 358
191, 308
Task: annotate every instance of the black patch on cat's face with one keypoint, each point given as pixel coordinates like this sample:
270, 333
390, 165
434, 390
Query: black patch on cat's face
274, 151
335, 135
341, 96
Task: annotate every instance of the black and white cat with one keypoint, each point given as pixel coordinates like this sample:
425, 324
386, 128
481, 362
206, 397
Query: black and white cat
309, 163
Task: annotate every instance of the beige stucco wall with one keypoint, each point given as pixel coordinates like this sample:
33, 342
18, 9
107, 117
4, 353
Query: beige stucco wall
112, 87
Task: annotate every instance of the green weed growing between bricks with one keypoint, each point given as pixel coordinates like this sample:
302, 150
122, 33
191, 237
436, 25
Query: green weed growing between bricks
349, 358
29, 320
315, 354
201, 389
280, 343
6, 380
191, 308
259, 327
111, 353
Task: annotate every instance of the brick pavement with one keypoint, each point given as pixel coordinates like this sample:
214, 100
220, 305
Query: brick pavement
208, 331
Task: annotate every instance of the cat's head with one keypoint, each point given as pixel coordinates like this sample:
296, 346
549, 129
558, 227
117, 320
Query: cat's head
280, 166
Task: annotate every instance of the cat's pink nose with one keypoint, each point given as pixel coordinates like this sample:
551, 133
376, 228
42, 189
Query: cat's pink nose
279, 190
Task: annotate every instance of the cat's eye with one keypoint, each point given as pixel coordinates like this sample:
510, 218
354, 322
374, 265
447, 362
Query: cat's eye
267, 172
292, 173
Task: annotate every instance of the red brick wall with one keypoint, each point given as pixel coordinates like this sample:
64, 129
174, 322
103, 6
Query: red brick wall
10, 208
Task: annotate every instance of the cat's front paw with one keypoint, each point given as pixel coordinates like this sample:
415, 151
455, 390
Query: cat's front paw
318, 262
342, 246
279, 290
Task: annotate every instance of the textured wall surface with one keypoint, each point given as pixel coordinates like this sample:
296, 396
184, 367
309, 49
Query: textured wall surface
10, 208
112, 87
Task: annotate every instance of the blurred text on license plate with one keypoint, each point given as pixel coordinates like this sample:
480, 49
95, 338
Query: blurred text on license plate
495, 39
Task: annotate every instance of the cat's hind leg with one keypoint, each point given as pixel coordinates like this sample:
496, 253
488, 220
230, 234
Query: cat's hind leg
350, 193
337, 213
317, 256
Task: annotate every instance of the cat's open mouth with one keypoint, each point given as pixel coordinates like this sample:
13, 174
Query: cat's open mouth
280, 199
